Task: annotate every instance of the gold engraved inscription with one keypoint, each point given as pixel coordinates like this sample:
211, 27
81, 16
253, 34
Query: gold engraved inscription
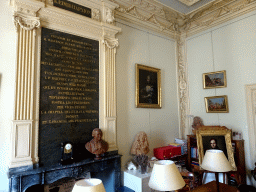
71, 78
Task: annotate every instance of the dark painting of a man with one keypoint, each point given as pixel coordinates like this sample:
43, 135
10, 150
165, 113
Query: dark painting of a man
148, 87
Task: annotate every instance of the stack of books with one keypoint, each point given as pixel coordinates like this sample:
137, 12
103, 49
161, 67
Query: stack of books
195, 165
183, 144
194, 152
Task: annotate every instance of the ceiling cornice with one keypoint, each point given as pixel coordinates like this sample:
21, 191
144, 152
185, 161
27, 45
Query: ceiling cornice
215, 14
157, 17
148, 14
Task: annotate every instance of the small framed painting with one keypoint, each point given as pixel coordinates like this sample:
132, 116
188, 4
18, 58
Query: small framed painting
214, 80
216, 104
148, 87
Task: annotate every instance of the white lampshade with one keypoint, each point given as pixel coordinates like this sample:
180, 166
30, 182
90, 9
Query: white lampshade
216, 161
89, 185
165, 176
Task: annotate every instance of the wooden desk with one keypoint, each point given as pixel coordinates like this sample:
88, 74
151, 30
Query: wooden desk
211, 186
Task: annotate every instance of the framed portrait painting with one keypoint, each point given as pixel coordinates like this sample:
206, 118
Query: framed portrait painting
148, 87
215, 138
216, 104
215, 80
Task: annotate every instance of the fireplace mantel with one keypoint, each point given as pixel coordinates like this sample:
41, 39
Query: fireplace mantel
21, 180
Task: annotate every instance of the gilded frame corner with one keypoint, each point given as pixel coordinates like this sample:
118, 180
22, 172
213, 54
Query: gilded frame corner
216, 131
148, 87
214, 80
216, 107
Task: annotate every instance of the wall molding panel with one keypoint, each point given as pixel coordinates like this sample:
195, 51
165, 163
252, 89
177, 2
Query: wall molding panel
250, 91
21, 143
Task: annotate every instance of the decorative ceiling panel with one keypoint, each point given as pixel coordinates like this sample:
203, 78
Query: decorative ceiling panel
156, 16
184, 6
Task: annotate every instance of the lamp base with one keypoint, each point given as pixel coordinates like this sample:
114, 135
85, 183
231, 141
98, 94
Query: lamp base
217, 181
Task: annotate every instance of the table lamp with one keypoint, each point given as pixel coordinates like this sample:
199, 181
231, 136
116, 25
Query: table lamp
165, 176
89, 185
216, 161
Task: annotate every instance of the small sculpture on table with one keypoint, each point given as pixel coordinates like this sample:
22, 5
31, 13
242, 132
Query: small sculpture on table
140, 145
97, 146
197, 122
140, 148
143, 161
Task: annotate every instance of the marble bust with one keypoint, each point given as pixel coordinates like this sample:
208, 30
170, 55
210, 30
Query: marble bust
140, 145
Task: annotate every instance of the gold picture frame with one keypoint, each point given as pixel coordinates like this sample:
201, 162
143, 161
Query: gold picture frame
215, 80
222, 137
216, 104
148, 87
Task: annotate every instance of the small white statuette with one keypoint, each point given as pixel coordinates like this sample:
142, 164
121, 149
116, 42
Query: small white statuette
131, 166
109, 16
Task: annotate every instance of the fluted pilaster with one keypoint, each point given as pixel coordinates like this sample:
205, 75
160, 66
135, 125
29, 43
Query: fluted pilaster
24, 152
110, 88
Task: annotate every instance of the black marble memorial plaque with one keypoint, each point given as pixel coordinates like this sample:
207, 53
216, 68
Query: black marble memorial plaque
69, 94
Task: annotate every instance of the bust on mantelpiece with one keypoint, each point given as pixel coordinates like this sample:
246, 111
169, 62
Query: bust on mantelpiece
97, 146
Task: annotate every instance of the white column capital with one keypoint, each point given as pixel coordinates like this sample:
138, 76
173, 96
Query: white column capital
26, 22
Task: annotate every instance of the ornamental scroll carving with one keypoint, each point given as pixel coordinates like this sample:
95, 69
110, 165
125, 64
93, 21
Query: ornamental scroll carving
26, 22
183, 87
96, 14
110, 43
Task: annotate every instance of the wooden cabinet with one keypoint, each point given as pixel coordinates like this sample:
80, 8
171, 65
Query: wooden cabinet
238, 146
240, 160
191, 143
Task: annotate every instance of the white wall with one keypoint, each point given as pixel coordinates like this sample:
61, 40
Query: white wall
161, 125
229, 47
136, 46
7, 76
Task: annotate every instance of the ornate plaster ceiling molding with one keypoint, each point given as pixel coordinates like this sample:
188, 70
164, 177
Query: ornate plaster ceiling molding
215, 14
149, 14
189, 2
157, 17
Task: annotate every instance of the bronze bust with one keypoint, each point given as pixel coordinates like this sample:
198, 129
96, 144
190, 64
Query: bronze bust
97, 146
